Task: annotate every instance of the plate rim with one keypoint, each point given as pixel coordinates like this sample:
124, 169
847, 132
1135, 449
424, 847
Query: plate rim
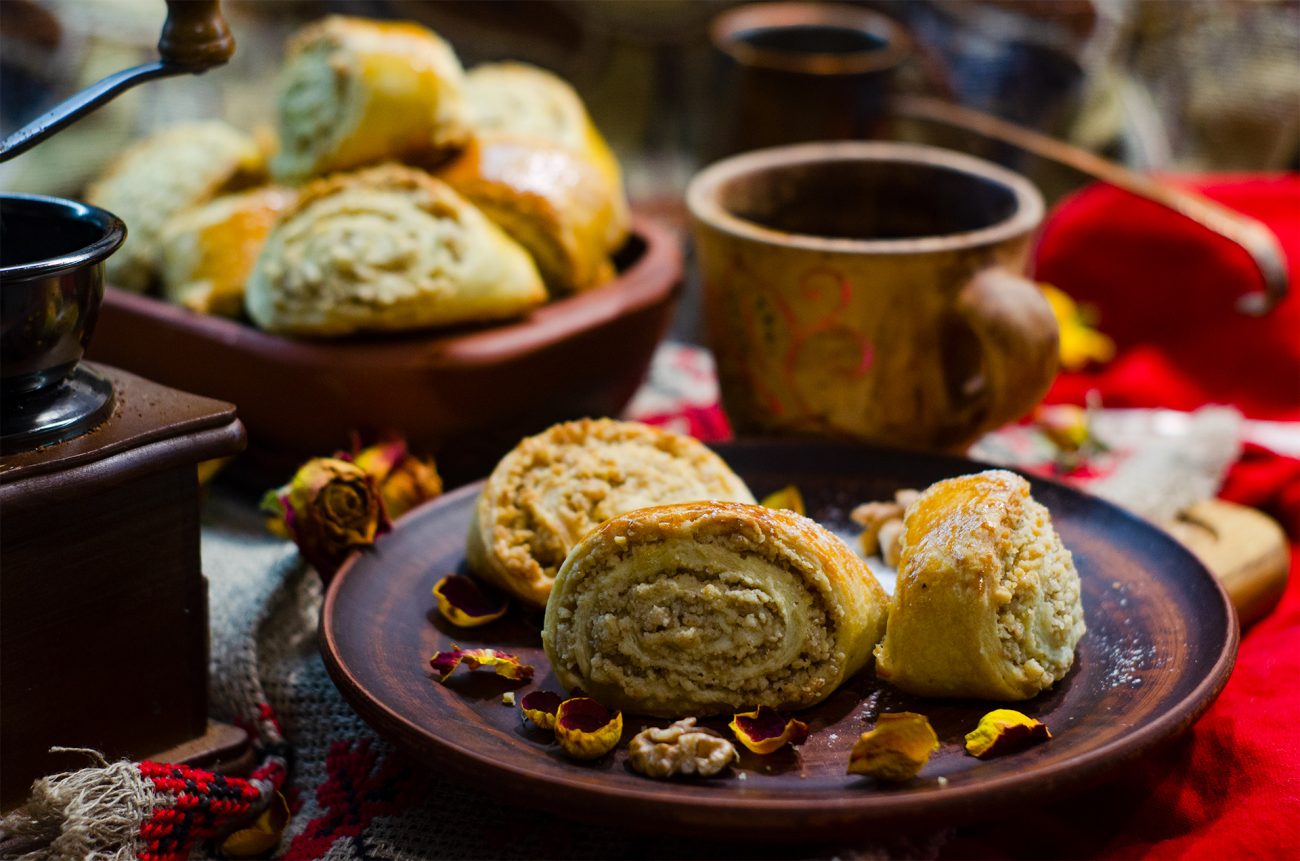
952, 803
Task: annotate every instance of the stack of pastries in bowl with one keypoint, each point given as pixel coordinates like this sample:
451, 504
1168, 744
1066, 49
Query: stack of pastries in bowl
668, 592
401, 192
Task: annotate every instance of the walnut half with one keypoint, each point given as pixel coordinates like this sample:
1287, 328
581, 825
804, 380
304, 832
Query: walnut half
682, 748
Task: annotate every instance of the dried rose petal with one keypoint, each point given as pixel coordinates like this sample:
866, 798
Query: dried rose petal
540, 708
404, 481
445, 663
1003, 731
464, 604
260, 837
765, 730
330, 508
787, 497
585, 729
896, 749
1066, 425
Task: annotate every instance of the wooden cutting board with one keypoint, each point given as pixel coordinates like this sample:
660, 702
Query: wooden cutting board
1243, 547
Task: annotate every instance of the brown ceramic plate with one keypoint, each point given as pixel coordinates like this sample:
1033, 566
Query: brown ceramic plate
1160, 644
471, 390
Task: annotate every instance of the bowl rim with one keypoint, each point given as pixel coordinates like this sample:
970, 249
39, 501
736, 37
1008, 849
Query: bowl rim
113, 235
655, 274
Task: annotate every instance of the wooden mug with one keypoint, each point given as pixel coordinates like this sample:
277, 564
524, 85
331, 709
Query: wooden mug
871, 291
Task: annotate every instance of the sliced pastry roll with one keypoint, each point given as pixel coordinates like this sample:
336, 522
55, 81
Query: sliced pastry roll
987, 602
706, 607
355, 91
208, 252
382, 249
161, 176
546, 198
522, 101
553, 488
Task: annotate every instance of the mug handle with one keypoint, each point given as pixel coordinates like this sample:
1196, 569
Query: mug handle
1019, 342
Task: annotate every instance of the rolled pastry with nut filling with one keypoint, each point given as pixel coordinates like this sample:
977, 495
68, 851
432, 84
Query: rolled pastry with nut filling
208, 252
522, 101
547, 199
987, 602
161, 176
708, 607
355, 91
553, 488
384, 249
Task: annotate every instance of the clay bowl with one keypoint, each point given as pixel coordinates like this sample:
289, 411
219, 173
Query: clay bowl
466, 394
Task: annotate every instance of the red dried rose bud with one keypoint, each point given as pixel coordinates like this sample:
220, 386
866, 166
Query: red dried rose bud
540, 707
766, 730
404, 481
330, 508
504, 664
464, 604
585, 729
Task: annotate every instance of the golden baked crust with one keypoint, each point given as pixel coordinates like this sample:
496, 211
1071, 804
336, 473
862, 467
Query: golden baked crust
547, 198
354, 91
520, 101
987, 602
160, 176
706, 607
553, 488
208, 252
382, 249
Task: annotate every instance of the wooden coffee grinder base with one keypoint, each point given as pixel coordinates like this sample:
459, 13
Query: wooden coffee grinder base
103, 607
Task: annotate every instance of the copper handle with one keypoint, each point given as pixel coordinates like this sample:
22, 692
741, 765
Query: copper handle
1250, 233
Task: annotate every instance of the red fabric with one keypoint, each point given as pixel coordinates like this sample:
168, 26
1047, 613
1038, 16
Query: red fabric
1164, 289
1230, 787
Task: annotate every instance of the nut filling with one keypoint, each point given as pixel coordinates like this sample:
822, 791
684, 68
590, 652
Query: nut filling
565, 482
1039, 618
703, 632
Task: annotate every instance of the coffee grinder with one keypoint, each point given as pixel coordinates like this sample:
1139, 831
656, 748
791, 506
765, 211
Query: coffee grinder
103, 607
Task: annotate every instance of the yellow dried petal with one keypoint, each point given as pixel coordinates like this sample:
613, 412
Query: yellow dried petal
260, 838
1005, 731
585, 729
464, 604
896, 749
787, 497
1080, 343
766, 730
540, 707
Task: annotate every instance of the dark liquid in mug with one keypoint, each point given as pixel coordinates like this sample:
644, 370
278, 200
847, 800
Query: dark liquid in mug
869, 200
812, 39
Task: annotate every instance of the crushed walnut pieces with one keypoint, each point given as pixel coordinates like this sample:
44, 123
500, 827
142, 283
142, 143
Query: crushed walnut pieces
680, 749
882, 525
